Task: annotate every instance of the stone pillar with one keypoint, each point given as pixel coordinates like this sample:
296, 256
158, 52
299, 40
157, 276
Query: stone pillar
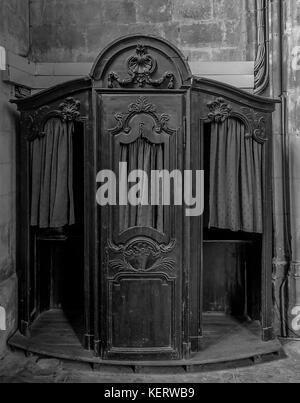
291, 75
13, 37
282, 254
8, 282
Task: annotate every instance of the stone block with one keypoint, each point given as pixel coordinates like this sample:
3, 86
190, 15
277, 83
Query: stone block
229, 54
9, 115
296, 237
5, 147
123, 11
171, 31
198, 55
235, 33
294, 107
197, 35
154, 11
6, 179
228, 9
200, 10
99, 37
68, 12
7, 267
5, 91
5, 241
59, 41
14, 25
7, 208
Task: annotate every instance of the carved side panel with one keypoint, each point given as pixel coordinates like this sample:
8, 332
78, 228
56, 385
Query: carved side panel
141, 280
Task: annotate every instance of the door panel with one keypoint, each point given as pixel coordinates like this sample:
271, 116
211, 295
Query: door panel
141, 246
149, 327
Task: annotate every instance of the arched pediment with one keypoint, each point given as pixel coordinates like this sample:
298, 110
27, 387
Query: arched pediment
140, 61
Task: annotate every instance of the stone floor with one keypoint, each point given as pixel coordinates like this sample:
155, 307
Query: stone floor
16, 368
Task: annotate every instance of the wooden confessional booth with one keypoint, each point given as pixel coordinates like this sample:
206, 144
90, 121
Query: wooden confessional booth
124, 283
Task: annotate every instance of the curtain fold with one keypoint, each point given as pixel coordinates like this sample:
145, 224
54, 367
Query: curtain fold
52, 200
235, 179
141, 155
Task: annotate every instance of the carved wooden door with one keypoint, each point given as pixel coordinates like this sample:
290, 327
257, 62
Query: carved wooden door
141, 246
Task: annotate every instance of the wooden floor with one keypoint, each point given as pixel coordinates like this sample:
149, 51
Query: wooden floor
225, 340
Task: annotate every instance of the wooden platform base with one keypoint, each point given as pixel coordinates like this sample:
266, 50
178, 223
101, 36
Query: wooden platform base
226, 342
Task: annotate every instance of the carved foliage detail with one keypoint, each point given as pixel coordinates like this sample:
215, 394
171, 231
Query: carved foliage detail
70, 109
257, 123
254, 121
219, 110
33, 122
140, 256
140, 68
142, 105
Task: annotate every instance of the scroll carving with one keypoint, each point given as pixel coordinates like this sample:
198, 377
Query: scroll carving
257, 123
142, 105
254, 121
140, 256
141, 67
34, 122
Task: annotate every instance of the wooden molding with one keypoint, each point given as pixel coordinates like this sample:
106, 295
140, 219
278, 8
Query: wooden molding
220, 111
34, 122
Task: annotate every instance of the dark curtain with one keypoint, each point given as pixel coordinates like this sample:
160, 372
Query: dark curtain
141, 155
235, 179
52, 203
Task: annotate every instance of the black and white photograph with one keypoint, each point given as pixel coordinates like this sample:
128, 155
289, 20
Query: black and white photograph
149, 194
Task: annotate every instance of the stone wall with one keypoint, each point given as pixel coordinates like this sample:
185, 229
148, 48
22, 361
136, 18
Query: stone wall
14, 32
77, 30
13, 36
